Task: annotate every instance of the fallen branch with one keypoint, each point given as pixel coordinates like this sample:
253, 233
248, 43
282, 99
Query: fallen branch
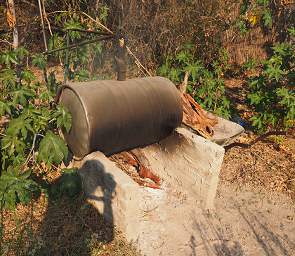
260, 138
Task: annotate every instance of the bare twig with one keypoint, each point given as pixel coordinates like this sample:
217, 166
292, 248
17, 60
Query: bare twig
12, 17
97, 22
29, 3
32, 148
260, 138
6, 42
42, 24
137, 62
45, 17
183, 86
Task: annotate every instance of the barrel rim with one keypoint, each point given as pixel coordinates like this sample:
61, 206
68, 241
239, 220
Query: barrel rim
83, 105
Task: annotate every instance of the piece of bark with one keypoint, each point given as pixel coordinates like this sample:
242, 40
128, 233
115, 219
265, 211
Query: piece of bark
196, 118
134, 158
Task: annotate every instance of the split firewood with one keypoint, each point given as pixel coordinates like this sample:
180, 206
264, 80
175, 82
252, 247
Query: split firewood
193, 115
125, 160
196, 118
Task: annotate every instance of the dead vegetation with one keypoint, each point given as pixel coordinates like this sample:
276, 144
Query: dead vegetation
268, 164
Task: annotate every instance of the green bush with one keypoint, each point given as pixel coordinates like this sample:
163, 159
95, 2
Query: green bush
272, 94
206, 85
30, 134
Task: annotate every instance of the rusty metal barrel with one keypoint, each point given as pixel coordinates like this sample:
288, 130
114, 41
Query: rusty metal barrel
113, 116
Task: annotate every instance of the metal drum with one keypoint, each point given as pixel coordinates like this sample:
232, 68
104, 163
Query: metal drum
113, 116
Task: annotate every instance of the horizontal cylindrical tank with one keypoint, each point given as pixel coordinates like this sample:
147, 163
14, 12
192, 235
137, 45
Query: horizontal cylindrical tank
113, 116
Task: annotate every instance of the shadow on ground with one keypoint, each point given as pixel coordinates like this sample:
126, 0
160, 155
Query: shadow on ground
245, 231
73, 226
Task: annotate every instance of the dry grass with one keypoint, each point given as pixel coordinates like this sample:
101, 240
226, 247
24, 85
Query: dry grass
61, 228
268, 164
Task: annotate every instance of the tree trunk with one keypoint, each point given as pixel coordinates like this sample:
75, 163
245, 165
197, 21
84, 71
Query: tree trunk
11, 20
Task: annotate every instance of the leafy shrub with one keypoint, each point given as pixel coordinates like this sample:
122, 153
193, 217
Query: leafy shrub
253, 13
206, 85
69, 184
81, 61
272, 94
29, 135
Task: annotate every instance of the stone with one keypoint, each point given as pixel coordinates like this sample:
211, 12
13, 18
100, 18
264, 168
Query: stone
225, 132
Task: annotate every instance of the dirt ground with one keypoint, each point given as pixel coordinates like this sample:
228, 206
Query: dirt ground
254, 215
255, 210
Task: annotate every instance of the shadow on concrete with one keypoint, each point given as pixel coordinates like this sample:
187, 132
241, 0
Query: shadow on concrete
75, 227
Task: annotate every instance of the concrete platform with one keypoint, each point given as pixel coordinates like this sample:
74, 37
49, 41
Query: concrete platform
158, 222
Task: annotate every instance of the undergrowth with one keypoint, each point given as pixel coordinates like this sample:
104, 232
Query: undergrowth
205, 84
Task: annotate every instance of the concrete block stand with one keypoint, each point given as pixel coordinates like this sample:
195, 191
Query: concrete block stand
157, 221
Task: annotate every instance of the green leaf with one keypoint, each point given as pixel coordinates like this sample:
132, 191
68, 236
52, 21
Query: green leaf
8, 58
22, 96
274, 71
267, 18
19, 126
283, 49
4, 108
40, 61
73, 24
11, 144
82, 75
7, 77
103, 13
52, 149
242, 26
27, 76
69, 184
63, 118
55, 42
97, 48
21, 53
16, 187
291, 31
39, 118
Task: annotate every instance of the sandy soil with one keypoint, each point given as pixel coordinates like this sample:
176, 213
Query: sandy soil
246, 222
255, 213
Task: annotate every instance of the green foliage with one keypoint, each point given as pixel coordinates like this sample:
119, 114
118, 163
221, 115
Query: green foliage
30, 133
272, 93
52, 149
71, 25
249, 65
8, 58
253, 13
63, 118
39, 60
80, 59
7, 78
16, 187
291, 31
69, 184
205, 84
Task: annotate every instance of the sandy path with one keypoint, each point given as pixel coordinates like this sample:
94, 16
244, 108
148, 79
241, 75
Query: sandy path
245, 223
